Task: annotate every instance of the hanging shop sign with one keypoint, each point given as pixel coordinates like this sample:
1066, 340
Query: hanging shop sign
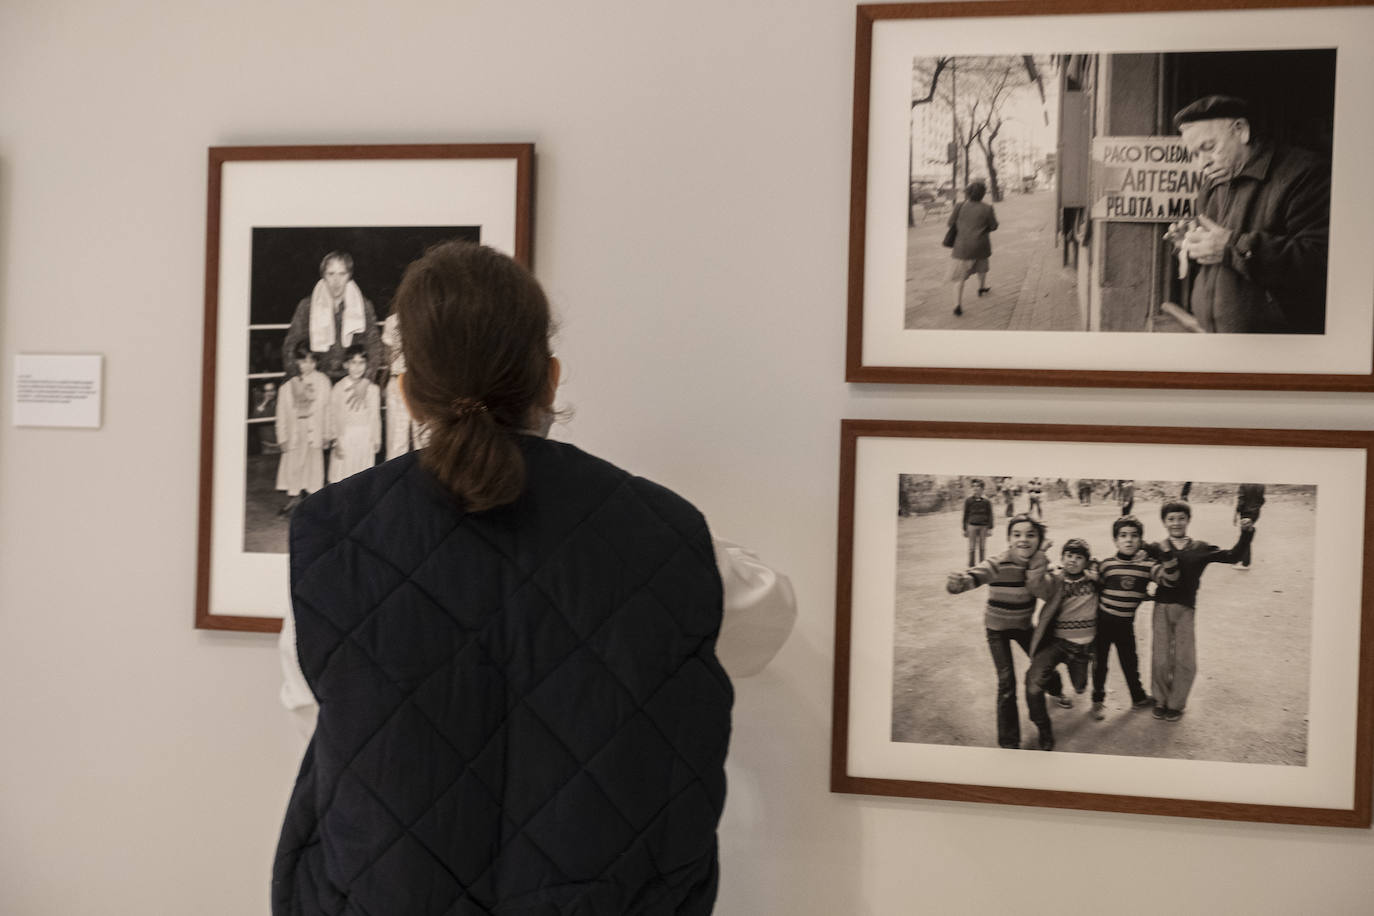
1144, 179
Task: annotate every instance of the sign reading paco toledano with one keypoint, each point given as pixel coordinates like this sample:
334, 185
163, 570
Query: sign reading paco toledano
1144, 179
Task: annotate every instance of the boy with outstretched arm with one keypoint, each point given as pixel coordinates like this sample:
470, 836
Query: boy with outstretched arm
1064, 632
1174, 662
1007, 617
1124, 580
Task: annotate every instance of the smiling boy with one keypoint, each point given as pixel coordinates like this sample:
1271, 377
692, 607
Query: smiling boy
1125, 579
1064, 632
1007, 616
1174, 652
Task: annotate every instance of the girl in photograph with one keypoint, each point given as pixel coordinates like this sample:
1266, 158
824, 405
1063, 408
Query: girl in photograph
972, 221
355, 419
1007, 616
301, 409
519, 651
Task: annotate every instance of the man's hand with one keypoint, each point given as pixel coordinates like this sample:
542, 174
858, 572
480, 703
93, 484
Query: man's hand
1177, 231
1206, 242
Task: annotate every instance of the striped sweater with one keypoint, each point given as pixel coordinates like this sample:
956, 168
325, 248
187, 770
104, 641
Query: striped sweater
1070, 610
1124, 582
1010, 604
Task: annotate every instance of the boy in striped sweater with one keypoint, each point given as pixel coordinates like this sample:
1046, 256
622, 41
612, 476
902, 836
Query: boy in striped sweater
1007, 616
1124, 580
1064, 632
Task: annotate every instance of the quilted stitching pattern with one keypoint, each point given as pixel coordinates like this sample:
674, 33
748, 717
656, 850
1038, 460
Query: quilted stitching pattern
509, 675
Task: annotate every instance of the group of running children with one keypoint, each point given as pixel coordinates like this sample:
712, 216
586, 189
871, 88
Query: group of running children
1089, 607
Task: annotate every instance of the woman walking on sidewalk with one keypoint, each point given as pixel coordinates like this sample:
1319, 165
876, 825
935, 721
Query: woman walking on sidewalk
971, 221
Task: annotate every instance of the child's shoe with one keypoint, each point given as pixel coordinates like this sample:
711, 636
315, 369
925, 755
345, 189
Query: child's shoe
1063, 701
1098, 712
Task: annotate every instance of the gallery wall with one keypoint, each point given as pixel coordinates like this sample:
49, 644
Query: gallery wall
690, 226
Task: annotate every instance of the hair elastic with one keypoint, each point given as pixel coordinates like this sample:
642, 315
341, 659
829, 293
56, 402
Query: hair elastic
467, 407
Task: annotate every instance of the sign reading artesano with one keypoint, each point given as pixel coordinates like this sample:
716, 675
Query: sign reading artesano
1144, 179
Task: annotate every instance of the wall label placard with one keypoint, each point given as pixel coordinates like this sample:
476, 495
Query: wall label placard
59, 390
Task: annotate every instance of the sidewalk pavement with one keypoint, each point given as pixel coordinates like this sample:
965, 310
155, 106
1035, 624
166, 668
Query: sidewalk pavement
1030, 290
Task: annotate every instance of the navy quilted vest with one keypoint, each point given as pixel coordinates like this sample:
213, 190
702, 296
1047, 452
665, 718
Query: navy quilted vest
521, 711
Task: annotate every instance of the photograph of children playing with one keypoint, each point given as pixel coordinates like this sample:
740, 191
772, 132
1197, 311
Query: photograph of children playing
1143, 618
323, 359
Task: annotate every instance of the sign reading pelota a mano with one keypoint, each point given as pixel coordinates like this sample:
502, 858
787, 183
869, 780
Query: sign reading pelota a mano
1144, 179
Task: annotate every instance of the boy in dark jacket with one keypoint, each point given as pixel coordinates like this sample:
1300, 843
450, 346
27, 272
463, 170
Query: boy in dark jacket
977, 521
1174, 661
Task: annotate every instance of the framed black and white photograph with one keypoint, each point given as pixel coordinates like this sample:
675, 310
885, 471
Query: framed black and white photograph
305, 248
1153, 620
1074, 193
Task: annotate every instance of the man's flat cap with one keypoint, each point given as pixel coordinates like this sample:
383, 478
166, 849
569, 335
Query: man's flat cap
1213, 106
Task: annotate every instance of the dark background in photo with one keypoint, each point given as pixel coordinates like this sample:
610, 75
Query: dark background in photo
286, 262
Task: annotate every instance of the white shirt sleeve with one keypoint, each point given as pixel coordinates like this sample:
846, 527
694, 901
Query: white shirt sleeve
760, 609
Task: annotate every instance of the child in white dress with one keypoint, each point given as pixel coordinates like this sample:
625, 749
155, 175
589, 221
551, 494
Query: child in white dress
301, 404
355, 419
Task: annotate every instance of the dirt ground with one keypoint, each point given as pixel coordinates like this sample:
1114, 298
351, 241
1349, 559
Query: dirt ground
1249, 703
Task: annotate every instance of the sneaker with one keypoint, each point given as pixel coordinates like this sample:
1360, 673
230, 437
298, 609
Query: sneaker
1143, 702
958, 310
1173, 715
984, 290
1243, 566
1064, 702
1098, 712
1160, 712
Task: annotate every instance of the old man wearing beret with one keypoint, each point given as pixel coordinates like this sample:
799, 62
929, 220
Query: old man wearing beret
1257, 249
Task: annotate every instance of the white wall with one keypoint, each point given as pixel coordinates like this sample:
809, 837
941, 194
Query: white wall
693, 177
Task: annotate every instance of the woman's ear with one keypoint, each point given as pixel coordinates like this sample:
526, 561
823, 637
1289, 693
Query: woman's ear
555, 374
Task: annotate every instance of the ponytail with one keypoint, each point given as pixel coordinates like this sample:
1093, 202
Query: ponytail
475, 333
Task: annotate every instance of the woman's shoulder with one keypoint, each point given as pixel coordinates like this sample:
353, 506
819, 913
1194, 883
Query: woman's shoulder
590, 478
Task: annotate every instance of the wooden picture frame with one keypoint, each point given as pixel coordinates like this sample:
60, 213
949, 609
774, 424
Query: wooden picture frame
916, 697
1079, 262
279, 218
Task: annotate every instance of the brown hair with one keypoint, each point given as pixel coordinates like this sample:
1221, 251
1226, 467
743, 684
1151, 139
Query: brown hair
475, 333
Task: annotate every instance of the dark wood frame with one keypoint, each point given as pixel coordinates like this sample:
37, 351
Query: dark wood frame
840, 780
857, 371
523, 156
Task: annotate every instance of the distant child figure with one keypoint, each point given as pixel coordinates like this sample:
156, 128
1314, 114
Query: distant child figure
1007, 616
1174, 663
302, 403
977, 522
1036, 492
1085, 492
1249, 499
1009, 498
355, 419
1124, 581
1065, 630
1125, 494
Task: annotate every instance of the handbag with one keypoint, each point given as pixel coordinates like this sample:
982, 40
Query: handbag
953, 231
